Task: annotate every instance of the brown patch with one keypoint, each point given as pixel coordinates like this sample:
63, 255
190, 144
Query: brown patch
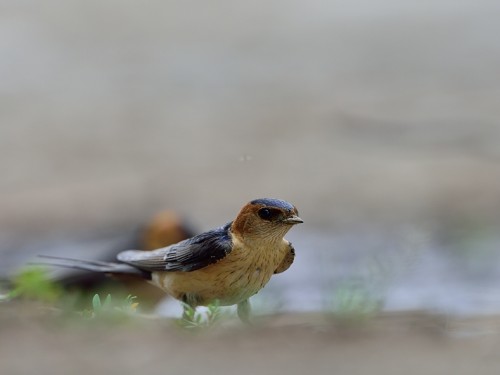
244, 220
166, 228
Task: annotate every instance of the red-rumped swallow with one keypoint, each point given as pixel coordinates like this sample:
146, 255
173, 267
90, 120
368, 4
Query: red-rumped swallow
228, 264
163, 229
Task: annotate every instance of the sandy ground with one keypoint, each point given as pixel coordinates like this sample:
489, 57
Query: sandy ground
409, 343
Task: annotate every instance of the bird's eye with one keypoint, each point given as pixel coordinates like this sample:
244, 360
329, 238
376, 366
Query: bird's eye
268, 214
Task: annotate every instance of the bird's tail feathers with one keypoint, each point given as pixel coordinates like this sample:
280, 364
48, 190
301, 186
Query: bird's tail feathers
95, 266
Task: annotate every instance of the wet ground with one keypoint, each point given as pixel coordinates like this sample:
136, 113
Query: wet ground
401, 269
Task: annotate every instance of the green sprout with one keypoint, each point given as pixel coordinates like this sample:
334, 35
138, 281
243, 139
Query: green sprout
354, 303
108, 308
191, 319
35, 284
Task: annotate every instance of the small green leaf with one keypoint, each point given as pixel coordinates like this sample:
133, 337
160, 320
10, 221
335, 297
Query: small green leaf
191, 319
96, 303
107, 302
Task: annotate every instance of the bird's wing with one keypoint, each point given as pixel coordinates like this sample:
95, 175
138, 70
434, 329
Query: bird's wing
287, 260
188, 255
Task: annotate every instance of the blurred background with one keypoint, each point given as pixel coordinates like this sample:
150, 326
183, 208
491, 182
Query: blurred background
378, 120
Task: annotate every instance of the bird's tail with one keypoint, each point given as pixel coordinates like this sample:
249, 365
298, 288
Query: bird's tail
96, 266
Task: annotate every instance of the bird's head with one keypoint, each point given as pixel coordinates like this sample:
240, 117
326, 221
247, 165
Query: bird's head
266, 218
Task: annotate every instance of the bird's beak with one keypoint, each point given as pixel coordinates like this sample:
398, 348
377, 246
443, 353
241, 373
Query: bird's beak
294, 219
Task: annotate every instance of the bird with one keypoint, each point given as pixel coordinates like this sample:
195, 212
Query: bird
164, 228
227, 265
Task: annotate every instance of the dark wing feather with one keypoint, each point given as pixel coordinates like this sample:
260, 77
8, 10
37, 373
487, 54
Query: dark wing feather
188, 255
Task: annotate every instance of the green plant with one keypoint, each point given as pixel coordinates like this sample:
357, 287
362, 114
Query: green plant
192, 319
34, 283
354, 303
108, 308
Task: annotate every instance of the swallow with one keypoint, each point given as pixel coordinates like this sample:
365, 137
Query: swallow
165, 228
228, 264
